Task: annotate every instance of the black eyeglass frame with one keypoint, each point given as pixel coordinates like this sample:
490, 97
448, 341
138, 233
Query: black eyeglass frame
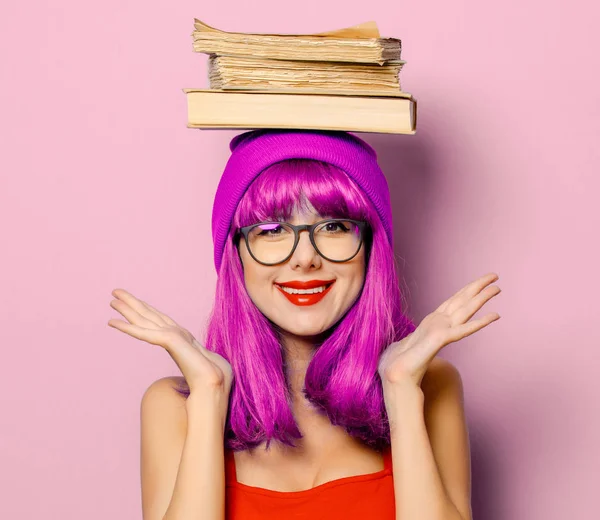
363, 226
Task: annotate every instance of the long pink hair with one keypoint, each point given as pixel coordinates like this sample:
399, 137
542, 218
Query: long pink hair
341, 380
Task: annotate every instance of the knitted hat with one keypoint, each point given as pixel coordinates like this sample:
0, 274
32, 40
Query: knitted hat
254, 151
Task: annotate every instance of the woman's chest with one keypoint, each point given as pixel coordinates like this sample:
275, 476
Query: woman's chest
282, 472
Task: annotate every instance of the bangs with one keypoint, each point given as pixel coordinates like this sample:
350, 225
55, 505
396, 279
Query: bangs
294, 185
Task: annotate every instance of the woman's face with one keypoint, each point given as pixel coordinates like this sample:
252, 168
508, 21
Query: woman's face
302, 315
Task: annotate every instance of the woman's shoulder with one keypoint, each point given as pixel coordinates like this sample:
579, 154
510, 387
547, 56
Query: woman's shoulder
162, 411
163, 392
440, 372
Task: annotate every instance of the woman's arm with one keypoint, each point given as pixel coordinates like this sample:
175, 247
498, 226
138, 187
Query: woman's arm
430, 450
182, 461
432, 479
182, 457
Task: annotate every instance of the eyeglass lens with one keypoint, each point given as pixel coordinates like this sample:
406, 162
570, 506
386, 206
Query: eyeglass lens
335, 240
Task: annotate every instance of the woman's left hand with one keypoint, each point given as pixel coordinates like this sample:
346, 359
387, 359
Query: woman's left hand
406, 361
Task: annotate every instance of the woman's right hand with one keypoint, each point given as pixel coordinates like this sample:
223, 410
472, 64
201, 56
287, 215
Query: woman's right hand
202, 369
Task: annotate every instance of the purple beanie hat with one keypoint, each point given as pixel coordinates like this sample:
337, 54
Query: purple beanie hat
254, 151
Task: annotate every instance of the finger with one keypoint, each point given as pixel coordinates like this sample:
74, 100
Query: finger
149, 335
132, 315
468, 291
166, 318
139, 306
467, 311
462, 331
155, 337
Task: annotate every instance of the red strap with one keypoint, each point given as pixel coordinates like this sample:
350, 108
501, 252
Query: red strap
230, 473
387, 457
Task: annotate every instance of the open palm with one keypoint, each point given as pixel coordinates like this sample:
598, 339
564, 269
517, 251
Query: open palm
408, 359
201, 367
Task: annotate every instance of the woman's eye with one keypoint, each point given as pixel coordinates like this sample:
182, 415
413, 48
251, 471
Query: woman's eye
275, 230
336, 226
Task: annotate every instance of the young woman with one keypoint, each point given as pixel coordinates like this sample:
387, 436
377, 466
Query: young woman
312, 395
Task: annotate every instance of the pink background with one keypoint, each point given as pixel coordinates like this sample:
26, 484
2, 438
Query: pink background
103, 186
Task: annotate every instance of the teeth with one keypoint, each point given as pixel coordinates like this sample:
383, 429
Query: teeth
303, 291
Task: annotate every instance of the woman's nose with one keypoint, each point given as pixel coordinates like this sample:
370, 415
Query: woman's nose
305, 253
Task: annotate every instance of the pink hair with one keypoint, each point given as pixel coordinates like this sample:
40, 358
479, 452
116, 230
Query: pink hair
341, 380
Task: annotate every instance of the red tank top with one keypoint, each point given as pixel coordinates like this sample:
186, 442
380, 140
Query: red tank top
349, 498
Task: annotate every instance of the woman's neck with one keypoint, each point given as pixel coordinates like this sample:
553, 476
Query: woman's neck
297, 354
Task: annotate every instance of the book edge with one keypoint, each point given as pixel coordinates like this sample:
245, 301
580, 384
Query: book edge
400, 94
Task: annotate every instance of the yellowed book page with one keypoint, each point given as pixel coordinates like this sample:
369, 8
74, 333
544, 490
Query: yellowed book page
362, 30
350, 88
237, 62
308, 92
333, 48
226, 72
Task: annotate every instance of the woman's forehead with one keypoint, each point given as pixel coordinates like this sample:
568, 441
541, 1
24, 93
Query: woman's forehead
307, 212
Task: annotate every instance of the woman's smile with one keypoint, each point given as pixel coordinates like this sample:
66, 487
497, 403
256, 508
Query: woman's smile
305, 293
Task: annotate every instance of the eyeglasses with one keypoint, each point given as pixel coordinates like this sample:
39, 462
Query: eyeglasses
336, 240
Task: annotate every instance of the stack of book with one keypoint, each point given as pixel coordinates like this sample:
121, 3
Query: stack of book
346, 79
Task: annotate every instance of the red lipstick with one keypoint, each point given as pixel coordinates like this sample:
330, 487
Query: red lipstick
305, 299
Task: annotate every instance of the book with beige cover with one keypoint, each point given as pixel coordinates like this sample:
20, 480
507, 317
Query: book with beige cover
360, 43
233, 72
209, 108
